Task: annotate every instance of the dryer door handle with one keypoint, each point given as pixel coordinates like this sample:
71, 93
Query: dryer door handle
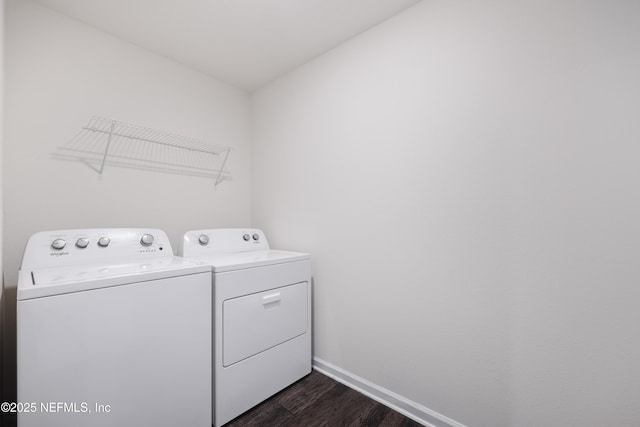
271, 300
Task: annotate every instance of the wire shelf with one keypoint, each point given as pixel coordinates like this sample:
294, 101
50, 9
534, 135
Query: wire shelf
107, 142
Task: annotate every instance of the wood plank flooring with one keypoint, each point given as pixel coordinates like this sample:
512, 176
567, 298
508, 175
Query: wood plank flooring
317, 400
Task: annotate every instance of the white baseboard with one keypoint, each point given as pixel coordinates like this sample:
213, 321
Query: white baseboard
406, 407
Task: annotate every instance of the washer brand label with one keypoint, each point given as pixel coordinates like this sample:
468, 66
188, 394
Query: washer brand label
59, 253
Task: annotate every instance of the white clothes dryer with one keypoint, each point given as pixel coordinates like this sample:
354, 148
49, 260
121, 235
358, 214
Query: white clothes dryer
261, 316
112, 330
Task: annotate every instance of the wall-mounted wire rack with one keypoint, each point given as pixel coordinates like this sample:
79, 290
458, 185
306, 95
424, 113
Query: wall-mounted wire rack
107, 142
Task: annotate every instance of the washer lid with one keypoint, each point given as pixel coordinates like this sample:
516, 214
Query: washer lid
42, 282
221, 262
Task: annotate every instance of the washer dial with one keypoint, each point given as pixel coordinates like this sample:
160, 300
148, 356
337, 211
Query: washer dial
146, 240
58, 244
82, 242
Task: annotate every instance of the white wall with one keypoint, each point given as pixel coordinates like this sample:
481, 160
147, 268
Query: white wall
465, 176
60, 72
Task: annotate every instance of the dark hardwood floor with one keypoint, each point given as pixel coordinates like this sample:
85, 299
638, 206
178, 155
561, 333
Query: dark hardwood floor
317, 400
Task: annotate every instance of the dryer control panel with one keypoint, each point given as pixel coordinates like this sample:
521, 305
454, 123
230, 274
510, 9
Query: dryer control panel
81, 246
216, 240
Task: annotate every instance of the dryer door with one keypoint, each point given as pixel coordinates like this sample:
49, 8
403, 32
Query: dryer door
257, 322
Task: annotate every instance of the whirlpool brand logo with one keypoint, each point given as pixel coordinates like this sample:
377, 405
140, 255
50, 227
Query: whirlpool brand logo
59, 253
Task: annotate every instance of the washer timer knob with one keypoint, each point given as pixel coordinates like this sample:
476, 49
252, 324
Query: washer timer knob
82, 242
246, 237
203, 239
103, 242
58, 244
146, 240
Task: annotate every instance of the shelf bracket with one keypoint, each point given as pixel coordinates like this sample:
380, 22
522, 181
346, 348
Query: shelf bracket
219, 177
106, 150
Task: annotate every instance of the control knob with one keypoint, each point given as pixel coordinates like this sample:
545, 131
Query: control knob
256, 236
246, 237
203, 239
58, 244
146, 240
104, 242
82, 242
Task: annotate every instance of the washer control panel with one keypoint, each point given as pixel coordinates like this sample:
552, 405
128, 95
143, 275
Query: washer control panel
81, 246
202, 242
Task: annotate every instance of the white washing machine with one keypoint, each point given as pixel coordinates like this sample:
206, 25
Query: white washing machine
261, 316
112, 330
